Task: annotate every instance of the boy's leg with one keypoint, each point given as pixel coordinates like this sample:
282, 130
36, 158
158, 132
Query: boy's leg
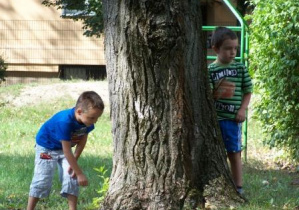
70, 186
72, 200
231, 134
32, 201
236, 167
43, 175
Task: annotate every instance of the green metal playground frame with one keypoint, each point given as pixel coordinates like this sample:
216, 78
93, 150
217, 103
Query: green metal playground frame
244, 51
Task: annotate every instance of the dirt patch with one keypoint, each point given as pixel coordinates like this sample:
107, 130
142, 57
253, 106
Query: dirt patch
44, 93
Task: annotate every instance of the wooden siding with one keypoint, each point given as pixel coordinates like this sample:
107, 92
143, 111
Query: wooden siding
35, 38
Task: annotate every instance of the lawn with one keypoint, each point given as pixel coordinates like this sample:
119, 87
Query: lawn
18, 125
266, 185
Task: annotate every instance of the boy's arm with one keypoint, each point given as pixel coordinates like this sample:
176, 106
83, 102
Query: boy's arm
80, 146
67, 150
241, 114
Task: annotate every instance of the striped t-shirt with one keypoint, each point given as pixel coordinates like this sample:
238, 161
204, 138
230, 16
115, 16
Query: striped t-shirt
235, 74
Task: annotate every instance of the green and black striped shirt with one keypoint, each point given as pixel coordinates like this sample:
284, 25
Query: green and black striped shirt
235, 73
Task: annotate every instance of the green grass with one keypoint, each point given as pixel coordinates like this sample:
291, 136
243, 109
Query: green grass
18, 126
266, 185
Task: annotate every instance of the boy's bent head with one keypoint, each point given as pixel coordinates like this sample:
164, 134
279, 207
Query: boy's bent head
89, 108
90, 100
220, 35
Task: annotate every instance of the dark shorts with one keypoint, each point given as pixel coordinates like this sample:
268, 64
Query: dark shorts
232, 135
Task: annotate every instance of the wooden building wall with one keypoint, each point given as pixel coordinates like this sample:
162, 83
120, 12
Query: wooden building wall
35, 41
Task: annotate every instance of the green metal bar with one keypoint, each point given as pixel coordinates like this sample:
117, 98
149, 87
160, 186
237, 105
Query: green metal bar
212, 57
247, 48
241, 21
245, 129
212, 28
244, 51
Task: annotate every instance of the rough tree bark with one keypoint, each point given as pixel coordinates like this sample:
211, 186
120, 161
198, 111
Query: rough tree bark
167, 149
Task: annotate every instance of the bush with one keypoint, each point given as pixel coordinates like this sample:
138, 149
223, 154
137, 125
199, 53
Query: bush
3, 67
274, 59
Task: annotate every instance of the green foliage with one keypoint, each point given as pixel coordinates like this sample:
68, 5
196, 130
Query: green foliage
92, 24
274, 57
104, 186
3, 67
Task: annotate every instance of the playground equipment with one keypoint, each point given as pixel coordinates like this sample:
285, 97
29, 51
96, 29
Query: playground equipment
243, 57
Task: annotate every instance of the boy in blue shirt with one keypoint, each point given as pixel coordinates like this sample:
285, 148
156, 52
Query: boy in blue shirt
232, 88
54, 143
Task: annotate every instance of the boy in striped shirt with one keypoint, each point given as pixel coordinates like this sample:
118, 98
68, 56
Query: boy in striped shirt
232, 88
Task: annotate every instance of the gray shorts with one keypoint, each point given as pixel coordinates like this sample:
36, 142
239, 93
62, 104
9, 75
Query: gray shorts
44, 171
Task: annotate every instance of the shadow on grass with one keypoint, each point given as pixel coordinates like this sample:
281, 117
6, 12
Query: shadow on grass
265, 188
16, 175
269, 188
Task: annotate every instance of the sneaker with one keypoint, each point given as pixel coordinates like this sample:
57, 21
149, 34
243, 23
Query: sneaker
241, 193
240, 190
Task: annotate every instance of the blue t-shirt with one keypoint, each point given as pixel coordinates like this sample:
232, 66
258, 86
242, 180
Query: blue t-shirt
61, 126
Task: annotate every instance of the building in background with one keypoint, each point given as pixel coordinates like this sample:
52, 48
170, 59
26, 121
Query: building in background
215, 12
38, 44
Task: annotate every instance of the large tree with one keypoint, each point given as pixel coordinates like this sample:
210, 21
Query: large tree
168, 152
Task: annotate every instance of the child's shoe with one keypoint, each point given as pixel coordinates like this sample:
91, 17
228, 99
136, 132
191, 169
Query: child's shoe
240, 190
241, 193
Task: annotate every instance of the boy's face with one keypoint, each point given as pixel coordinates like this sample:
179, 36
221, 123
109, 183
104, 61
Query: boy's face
227, 51
88, 117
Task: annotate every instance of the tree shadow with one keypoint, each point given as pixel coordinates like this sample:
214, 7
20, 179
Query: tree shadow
269, 187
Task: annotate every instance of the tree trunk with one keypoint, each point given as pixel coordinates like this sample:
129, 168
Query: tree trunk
168, 153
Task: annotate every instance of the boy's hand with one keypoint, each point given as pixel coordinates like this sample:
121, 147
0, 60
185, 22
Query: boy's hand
241, 115
82, 180
71, 172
